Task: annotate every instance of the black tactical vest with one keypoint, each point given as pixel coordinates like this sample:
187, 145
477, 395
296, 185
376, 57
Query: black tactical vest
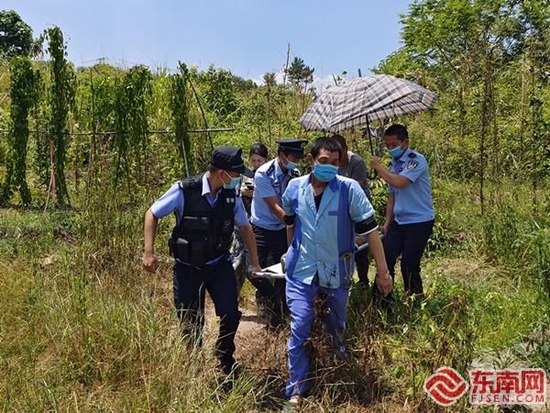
204, 232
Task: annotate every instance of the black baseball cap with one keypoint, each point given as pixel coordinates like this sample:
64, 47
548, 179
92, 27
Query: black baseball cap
228, 158
292, 146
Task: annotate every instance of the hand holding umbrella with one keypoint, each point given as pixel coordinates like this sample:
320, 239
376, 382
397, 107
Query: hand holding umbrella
375, 163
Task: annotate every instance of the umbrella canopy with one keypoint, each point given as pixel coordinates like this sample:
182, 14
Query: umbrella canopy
364, 100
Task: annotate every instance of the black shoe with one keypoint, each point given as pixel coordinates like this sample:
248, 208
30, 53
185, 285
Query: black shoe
364, 285
232, 370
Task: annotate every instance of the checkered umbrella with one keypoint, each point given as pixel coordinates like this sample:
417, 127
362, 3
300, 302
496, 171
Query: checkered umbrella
364, 100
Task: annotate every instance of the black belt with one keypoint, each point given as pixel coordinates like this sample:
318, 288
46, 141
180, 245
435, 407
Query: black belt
206, 267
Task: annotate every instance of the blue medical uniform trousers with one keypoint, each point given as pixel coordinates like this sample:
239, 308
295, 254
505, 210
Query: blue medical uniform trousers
300, 299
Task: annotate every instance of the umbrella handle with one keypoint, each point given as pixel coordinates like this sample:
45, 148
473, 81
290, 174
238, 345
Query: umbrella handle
374, 174
371, 147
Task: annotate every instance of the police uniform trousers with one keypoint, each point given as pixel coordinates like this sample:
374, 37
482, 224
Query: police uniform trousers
301, 298
409, 242
190, 286
362, 266
271, 246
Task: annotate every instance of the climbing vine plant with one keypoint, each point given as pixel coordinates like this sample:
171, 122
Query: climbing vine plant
24, 93
180, 118
133, 96
61, 97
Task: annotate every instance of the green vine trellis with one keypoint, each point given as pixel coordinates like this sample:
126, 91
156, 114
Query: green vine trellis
61, 98
131, 124
24, 93
180, 117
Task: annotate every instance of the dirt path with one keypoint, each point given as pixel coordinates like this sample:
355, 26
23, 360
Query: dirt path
251, 332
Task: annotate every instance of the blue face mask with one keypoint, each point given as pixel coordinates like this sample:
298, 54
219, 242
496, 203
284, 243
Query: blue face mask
291, 166
234, 183
324, 172
396, 152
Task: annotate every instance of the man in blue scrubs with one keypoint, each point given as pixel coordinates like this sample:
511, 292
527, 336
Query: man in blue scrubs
326, 214
409, 209
206, 207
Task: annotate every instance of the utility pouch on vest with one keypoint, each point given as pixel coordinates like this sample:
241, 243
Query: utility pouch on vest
179, 249
224, 227
200, 224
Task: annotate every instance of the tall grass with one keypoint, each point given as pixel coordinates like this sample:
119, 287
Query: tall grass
82, 328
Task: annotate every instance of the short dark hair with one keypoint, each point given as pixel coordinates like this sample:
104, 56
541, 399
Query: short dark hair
258, 149
341, 140
325, 143
397, 130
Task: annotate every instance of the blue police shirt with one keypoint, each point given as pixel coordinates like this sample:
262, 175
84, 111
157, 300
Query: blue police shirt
324, 238
413, 203
172, 202
269, 180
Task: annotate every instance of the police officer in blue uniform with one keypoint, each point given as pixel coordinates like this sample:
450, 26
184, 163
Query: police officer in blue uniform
267, 219
206, 207
409, 209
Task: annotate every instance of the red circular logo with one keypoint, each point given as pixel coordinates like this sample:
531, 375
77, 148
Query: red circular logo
445, 386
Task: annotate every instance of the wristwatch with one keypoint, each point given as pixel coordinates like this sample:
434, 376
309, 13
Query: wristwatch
385, 276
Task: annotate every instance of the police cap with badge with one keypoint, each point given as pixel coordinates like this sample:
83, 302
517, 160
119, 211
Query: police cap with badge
228, 158
292, 146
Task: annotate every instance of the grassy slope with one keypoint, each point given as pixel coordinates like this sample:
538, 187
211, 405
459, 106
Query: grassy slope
83, 329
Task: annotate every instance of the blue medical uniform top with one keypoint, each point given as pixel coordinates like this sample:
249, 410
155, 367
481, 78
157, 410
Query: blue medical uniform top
413, 203
269, 180
172, 202
324, 239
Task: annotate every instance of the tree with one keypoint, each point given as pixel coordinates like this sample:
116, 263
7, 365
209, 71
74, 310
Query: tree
269, 79
488, 60
15, 35
299, 74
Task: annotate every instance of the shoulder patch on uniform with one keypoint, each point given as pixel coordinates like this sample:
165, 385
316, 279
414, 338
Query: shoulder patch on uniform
412, 155
411, 165
271, 168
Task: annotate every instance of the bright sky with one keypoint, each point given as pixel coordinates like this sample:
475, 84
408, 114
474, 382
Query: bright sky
248, 37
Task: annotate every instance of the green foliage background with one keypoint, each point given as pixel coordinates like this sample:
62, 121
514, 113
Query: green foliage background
82, 329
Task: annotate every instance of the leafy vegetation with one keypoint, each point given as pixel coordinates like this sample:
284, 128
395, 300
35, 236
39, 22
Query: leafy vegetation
15, 35
24, 92
82, 328
61, 95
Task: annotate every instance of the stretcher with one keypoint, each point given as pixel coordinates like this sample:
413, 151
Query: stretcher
276, 271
